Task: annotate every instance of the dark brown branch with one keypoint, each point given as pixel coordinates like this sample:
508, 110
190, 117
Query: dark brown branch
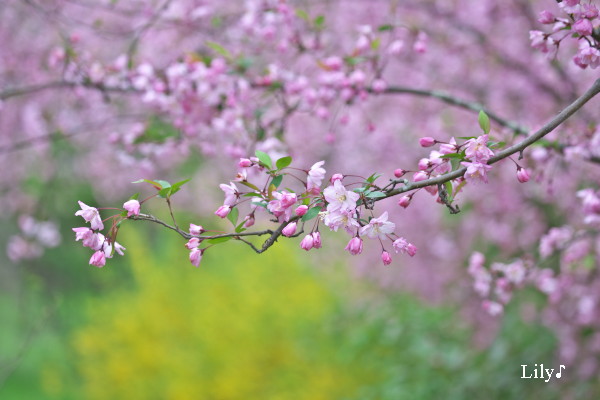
516, 148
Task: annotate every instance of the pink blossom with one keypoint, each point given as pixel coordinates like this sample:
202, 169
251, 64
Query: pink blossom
399, 172
231, 193
82, 233
90, 214
196, 256
301, 210
420, 176
339, 198
341, 218
94, 241
522, 175
378, 227
587, 56
316, 240
546, 17
476, 172
379, 86
192, 243
281, 206
401, 245
448, 148
289, 230
196, 230
540, 41
132, 207
119, 249
316, 174
223, 211
584, 27
355, 246
307, 243
493, 308
386, 258
249, 220
336, 177
98, 259
427, 141
477, 150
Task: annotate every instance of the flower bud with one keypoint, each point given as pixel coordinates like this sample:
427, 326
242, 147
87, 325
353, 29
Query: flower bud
244, 163
289, 230
196, 229
404, 201
336, 177
249, 220
316, 240
355, 246
399, 172
522, 175
546, 17
301, 210
386, 258
426, 141
223, 211
307, 243
132, 207
420, 176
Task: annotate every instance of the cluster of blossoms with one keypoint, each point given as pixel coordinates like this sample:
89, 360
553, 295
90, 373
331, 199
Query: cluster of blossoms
336, 205
34, 237
103, 247
581, 23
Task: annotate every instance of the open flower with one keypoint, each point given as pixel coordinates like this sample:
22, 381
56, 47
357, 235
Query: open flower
378, 227
132, 207
339, 198
90, 214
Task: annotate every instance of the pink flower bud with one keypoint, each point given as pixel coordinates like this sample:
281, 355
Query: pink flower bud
399, 172
379, 86
132, 207
196, 229
423, 164
546, 17
355, 246
584, 27
301, 210
316, 240
307, 243
386, 258
336, 177
420, 176
289, 230
522, 175
98, 259
223, 211
244, 163
411, 249
426, 141
249, 221
196, 256
404, 201
192, 243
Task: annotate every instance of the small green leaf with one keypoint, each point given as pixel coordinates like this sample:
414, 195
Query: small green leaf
386, 27
135, 196
153, 183
302, 14
252, 194
311, 213
277, 181
176, 186
373, 177
484, 122
375, 44
359, 190
375, 195
448, 186
283, 162
453, 155
240, 228
219, 49
250, 185
467, 137
218, 240
264, 158
163, 184
233, 216
165, 192
319, 22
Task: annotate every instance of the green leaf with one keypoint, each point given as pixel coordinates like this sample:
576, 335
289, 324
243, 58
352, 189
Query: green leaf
165, 192
163, 184
311, 213
484, 122
386, 27
302, 14
352, 61
319, 22
359, 190
240, 228
252, 194
373, 177
218, 240
375, 44
467, 137
283, 162
233, 216
375, 195
277, 181
453, 155
135, 196
448, 186
176, 186
153, 183
250, 185
219, 49
264, 159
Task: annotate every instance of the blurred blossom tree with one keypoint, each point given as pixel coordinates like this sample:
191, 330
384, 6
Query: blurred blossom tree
275, 93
